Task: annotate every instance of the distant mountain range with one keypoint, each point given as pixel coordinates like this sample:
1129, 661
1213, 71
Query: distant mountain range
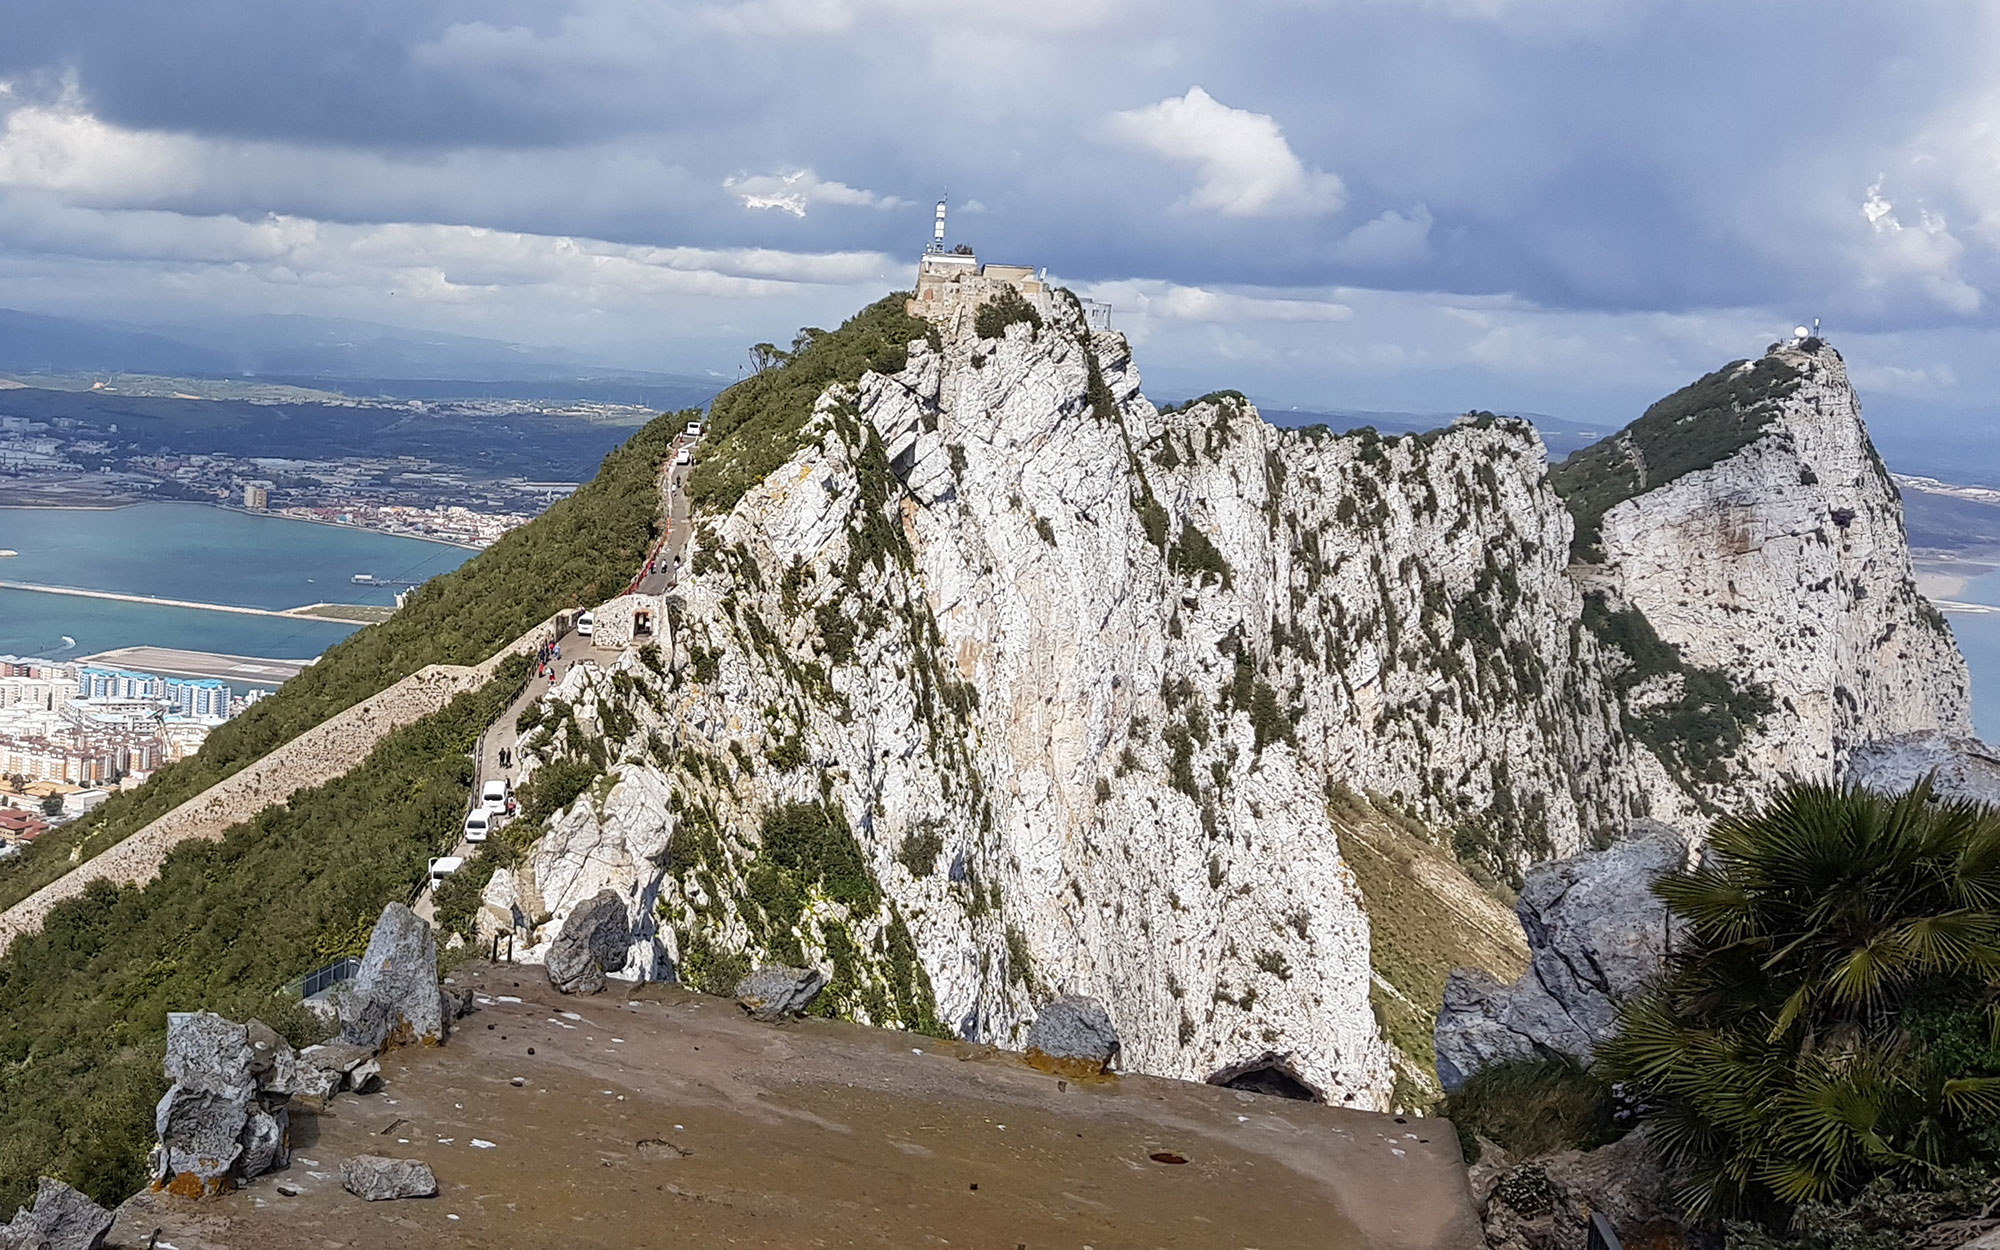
352, 357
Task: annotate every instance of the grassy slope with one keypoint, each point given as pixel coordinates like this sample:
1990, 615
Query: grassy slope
581, 551
1425, 918
83, 1004
1695, 427
754, 426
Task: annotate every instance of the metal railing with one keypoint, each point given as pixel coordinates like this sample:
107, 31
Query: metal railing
1602, 1236
323, 979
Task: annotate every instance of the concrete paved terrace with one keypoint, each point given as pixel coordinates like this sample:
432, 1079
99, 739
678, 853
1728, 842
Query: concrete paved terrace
654, 1116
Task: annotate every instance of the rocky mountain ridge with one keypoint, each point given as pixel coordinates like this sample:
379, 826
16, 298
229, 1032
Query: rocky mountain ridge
1007, 684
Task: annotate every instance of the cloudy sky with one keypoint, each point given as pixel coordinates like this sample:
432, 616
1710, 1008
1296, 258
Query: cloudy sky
1564, 206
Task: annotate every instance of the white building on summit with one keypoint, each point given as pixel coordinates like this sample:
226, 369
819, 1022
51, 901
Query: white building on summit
951, 281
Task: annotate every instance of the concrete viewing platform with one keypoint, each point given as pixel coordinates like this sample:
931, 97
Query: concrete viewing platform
655, 1116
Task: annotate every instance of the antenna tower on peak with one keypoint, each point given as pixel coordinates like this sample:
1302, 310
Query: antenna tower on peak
936, 245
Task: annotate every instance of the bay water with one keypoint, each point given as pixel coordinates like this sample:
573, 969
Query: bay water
198, 553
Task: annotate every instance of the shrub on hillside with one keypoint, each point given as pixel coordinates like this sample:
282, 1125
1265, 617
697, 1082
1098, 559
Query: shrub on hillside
83, 1003
1831, 1018
753, 427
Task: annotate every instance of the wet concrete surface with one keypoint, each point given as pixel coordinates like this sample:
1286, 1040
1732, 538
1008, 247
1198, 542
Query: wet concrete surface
654, 1116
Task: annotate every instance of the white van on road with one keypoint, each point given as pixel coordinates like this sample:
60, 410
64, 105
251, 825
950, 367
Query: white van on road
693, 430
586, 625
477, 825
445, 866
494, 797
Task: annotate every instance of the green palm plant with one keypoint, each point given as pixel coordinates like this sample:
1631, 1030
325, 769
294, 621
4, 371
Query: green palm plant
1793, 1049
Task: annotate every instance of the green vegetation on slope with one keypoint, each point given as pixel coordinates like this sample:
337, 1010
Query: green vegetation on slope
84, 1003
1695, 427
753, 427
1693, 733
1425, 917
581, 551
1829, 1019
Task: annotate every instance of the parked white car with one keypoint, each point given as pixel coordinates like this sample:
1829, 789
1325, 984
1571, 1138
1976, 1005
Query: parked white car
693, 430
478, 824
494, 796
586, 624
445, 866
686, 456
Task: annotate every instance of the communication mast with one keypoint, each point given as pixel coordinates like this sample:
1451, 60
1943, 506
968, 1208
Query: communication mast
937, 233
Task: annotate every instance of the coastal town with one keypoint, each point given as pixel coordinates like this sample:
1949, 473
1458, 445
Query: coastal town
62, 462
72, 733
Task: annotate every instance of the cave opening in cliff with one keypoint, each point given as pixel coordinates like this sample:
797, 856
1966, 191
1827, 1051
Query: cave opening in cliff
1270, 1074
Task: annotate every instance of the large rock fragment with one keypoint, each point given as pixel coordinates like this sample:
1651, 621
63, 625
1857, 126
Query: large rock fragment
1959, 768
202, 1121
61, 1219
1596, 933
395, 1000
593, 941
379, 1178
775, 992
1073, 1036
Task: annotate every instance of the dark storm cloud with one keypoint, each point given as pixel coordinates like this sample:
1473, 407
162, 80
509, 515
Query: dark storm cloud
1663, 167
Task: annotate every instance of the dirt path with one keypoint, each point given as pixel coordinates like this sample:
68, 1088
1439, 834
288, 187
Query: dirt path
666, 1118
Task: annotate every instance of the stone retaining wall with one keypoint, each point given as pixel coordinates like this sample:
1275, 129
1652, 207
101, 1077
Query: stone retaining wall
314, 758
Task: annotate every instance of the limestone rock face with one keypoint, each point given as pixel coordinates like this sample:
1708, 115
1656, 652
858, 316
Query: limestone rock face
1596, 933
1784, 565
1008, 686
61, 1219
395, 999
612, 844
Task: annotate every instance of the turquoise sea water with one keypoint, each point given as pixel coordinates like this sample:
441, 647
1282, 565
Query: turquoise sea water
1978, 635
192, 552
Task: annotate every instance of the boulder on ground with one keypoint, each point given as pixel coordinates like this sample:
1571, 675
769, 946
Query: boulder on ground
1596, 933
395, 999
224, 1119
366, 1077
378, 1178
61, 1219
1073, 1036
593, 941
776, 992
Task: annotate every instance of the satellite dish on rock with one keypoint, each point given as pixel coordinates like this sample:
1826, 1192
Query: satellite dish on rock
1800, 332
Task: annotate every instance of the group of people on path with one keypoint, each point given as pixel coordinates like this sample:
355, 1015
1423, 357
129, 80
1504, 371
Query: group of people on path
547, 657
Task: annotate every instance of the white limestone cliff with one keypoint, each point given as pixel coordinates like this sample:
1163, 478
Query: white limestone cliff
1007, 685
1785, 566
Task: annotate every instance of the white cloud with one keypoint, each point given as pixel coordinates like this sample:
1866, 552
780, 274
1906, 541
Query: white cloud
1925, 255
1243, 164
1169, 301
798, 190
60, 146
824, 17
424, 260
1392, 239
